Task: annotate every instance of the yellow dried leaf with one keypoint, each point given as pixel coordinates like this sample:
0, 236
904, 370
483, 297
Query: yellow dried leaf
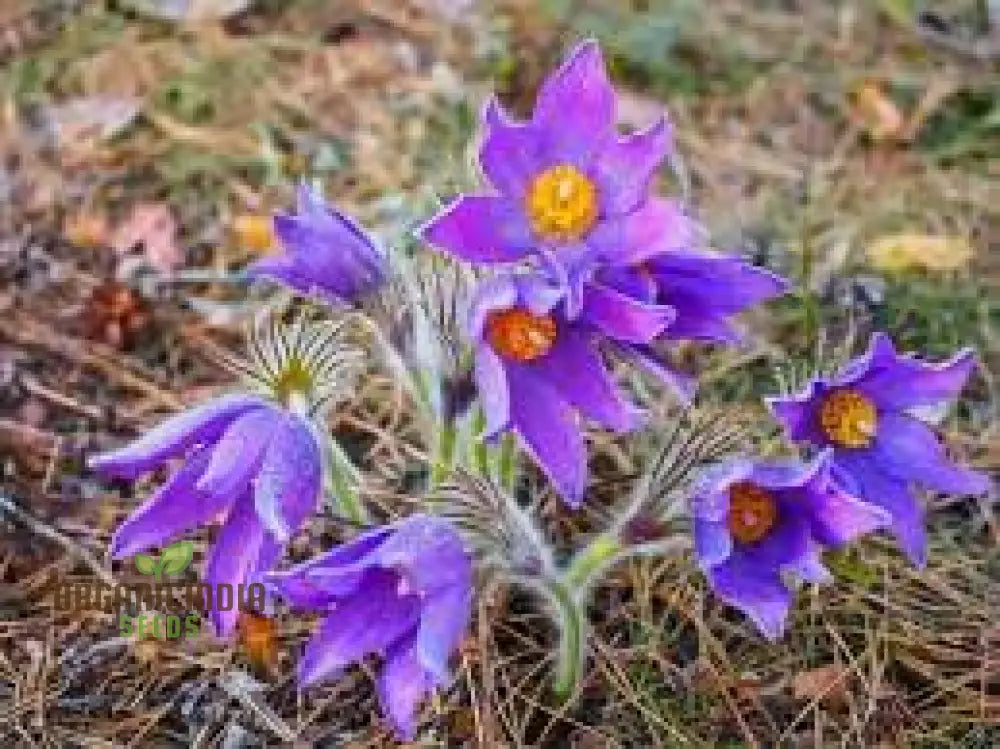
254, 232
87, 230
899, 252
879, 112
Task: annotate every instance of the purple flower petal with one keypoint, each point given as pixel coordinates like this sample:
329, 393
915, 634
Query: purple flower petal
622, 317
481, 229
790, 538
426, 552
491, 384
910, 451
176, 507
319, 582
234, 557
512, 154
625, 168
550, 433
839, 518
359, 625
326, 253
491, 295
174, 436
797, 413
861, 476
402, 685
900, 382
713, 543
577, 373
443, 622
723, 283
810, 567
288, 482
537, 293
710, 493
236, 456
757, 593
657, 226
575, 107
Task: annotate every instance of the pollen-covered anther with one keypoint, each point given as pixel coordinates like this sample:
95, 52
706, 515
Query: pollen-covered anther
520, 335
848, 419
562, 203
752, 512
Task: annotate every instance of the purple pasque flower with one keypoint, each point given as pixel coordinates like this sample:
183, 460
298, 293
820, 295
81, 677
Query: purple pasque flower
866, 414
567, 186
248, 464
402, 590
326, 253
754, 520
704, 290
537, 372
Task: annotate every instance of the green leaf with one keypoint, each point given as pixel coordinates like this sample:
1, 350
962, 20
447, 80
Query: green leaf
176, 557
145, 564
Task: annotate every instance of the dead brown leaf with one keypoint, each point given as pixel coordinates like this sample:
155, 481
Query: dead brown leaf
151, 226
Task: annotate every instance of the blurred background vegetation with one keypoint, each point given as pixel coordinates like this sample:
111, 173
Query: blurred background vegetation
852, 145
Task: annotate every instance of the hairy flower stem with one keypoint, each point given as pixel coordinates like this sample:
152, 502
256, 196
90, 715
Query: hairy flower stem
508, 462
591, 560
340, 486
444, 458
572, 631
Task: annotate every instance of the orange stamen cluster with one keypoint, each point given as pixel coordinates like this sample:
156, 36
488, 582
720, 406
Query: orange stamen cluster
848, 419
562, 203
520, 335
752, 512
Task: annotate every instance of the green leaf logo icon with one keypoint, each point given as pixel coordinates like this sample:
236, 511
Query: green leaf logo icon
145, 564
174, 560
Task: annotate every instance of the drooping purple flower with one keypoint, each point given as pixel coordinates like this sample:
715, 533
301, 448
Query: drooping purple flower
248, 464
704, 289
866, 414
326, 253
568, 187
403, 591
537, 371
754, 520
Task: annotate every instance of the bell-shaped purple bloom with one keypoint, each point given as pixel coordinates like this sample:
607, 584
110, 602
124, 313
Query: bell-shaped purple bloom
537, 371
568, 187
327, 255
248, 464
754, 520
403, 591
704, 289
866, 414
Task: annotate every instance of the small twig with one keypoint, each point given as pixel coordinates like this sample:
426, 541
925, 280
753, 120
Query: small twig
46, 531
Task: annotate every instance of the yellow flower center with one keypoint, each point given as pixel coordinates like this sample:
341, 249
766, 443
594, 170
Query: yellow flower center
562, 203
519, 335
752, 512
295, 377
848, 419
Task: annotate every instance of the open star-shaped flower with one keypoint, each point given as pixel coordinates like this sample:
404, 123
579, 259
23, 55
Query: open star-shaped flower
754, 520
865, 413
537, 371
248, 464
568, 187
403, 591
